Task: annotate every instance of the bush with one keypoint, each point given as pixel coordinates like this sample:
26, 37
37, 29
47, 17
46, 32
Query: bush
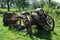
51, 11
48, 10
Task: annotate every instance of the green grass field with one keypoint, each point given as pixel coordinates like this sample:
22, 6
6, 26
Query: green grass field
6, 34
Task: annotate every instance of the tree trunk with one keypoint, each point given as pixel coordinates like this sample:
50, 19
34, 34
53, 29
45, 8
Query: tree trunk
8, 5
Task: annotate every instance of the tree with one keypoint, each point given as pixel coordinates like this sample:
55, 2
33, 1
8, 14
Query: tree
8, 5
38, 4
22, 4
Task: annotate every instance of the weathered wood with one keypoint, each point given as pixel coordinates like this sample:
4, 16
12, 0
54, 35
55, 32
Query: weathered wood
8, 19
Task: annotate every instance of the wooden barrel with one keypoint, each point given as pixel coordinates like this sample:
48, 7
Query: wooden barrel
6, 18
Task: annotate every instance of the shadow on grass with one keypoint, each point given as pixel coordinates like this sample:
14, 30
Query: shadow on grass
17, 27
41, 34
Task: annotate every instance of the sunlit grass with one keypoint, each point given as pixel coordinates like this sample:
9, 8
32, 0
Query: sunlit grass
6, 34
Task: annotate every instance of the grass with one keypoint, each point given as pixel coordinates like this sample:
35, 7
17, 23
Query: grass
6, 34
15, 10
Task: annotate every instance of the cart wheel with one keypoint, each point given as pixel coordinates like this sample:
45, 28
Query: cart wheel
50, 23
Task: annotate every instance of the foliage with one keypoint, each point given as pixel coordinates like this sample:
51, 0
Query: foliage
6, 34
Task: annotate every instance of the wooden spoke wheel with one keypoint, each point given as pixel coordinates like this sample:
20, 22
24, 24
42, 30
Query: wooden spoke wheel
50, 23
